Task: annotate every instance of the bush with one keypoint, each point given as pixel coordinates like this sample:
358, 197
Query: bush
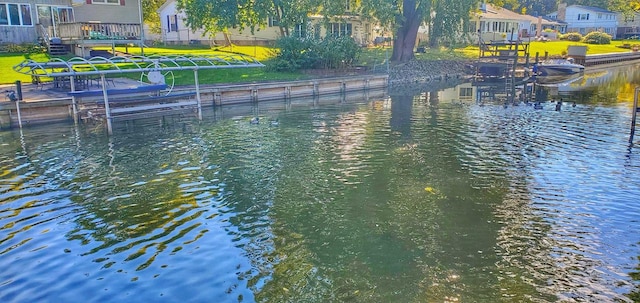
571, 37
597, 38
305, 53
29, 48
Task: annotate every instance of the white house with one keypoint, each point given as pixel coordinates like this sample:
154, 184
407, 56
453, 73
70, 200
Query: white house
629, 26
495, 23
175, 31
586, 19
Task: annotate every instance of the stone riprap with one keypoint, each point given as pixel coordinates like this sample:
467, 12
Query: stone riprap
425, 71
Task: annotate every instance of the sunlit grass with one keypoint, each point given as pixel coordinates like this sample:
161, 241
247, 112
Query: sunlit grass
558, 48
369, 57
261, 53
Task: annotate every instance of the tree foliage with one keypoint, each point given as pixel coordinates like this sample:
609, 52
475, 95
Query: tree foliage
444, 19
216, 16
150, 14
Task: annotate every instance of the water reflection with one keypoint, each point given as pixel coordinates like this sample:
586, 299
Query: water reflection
411, 198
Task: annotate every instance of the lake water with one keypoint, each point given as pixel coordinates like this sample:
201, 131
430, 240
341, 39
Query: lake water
432, 197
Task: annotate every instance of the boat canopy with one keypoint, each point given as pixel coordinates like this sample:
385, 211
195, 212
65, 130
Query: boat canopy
78, 66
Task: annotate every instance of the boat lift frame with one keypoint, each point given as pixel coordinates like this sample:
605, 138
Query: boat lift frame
77, 67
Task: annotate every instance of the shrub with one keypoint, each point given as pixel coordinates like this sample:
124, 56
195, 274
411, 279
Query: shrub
571, 37
597, 38
304, 53
29, 48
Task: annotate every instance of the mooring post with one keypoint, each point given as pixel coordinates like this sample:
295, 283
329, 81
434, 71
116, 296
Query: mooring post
18, 112
195, 76
106, 104
635, 114
74, 107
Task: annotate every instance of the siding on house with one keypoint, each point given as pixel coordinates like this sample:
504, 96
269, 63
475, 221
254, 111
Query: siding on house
23, 26
629, 26
175, 31
124, 11
30, 28
586, 19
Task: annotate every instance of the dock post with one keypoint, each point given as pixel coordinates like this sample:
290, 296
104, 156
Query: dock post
106, 104
195, 76
635, 114
74, 105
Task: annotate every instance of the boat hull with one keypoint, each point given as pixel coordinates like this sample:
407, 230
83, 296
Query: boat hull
559, 69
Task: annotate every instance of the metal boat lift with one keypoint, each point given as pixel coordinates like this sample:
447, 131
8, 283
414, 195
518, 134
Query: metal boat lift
154, 71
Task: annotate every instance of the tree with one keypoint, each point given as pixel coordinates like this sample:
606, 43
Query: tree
150, 14
444, 18
216, 16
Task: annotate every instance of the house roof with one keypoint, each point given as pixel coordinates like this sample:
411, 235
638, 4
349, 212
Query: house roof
499, 13
165, 4
593, 9
588, 8
545, 21
494, 12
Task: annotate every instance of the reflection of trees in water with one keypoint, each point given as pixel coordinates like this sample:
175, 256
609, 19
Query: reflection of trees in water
399, 228
137, 200
635, 275
605, 86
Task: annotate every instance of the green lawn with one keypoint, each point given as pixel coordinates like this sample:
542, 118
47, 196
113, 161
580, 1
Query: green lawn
369, 57
8, 60
557, 48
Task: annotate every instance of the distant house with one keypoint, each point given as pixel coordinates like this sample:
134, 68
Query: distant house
494, 23
547, 28
74, 23
629, 26
586, 19
175, 31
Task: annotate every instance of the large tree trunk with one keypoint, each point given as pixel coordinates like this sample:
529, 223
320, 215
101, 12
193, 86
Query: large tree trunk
405, 38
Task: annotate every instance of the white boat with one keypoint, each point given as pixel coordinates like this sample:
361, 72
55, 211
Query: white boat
558, 67
557, 81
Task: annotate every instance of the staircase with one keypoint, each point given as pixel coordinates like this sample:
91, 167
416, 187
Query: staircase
56, 48
54, 45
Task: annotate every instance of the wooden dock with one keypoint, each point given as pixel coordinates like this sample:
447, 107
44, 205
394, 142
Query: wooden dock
591, 60
41, 106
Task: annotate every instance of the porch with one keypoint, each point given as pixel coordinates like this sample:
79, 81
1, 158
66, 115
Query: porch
95, 33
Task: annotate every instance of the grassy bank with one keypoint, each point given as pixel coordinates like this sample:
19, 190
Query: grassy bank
369, 58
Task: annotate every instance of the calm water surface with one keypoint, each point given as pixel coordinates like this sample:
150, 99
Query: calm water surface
402, 199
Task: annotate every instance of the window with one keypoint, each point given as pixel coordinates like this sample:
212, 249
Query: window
25, 12
583, 16
47, 15
347, 6
65, 15
116, 2
15, 14
172, 23
466, 92
300, 30
340, 29
600, 16
273, 21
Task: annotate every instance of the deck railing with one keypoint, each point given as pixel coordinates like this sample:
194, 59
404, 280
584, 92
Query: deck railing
99, 31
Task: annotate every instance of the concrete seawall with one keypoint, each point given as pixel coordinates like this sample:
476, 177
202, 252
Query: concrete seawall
36, 110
